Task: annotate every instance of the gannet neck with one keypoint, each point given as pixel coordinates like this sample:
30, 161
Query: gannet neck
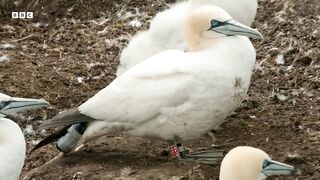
12, 150
195, 41
198, 24
198, 42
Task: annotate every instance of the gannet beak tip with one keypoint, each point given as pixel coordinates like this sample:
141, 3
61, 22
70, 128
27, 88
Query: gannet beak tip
233, 28
272, 167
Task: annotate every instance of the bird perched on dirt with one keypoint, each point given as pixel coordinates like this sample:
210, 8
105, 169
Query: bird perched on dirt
175, 95
12, 142
248, 163
166, 29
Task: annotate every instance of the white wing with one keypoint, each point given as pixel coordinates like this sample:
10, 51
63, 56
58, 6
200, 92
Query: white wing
140, 93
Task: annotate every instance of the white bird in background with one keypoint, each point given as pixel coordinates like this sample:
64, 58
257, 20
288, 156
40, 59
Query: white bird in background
175, 95
248, 163
166, 29
12, 142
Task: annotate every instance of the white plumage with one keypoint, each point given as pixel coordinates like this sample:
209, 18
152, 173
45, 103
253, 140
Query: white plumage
174, 93
177, 93
166, 29
12, 142
12, 150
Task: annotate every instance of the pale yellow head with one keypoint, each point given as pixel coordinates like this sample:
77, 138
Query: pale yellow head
248, 163
207, 23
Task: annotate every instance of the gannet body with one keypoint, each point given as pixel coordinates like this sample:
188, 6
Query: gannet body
175, 94
12, 142
166, 29
12, 149
248, 163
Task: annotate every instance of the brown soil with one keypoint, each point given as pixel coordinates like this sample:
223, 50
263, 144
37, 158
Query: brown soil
68, 40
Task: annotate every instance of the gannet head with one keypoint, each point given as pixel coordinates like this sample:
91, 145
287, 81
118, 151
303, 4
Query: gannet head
248, 163
12, 142
210, 22
13, 104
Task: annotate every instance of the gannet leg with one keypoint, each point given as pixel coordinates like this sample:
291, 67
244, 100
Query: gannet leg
207, 157
178, 151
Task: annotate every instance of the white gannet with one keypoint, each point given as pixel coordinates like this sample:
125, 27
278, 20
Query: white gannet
248, 163
166, 29
12, 142
174, 94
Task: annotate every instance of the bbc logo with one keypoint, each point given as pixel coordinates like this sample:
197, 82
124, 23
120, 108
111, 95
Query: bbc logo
22, 15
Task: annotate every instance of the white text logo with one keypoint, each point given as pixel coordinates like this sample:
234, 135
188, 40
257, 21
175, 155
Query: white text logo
22, 15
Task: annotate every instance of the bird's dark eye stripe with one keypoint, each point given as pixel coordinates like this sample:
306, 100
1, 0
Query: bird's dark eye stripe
265, 164
4, 104
215, 23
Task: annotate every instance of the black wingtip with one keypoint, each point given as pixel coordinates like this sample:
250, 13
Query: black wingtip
71, 116
53, 137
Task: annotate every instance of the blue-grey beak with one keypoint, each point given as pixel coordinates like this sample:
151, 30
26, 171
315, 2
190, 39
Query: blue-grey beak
271, 168
20, 104
233, 28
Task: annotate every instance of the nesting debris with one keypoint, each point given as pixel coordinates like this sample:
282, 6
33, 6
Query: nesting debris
29, 130
4, 58
8, 28
281, 97
280, 59
135, 23
40, 25
7, 46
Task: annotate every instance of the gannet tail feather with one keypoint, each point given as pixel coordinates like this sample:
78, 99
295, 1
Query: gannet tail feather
71, 116
53, 137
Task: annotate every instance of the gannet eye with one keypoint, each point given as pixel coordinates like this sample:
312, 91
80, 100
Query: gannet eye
265, 164
2, 104
215, 23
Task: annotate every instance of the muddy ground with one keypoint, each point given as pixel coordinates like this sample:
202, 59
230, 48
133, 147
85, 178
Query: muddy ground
70, 50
